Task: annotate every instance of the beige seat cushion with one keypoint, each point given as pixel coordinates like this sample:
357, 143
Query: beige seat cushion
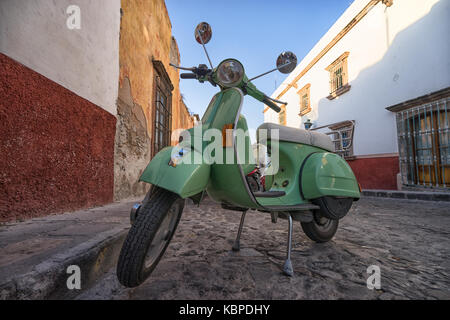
295, 135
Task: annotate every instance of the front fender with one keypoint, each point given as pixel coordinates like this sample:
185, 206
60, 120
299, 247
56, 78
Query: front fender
186, 179
327, 174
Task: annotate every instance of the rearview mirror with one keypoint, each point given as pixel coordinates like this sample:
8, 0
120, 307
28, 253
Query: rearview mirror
203, 33
286, 62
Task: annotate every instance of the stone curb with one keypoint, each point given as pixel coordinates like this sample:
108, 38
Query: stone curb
48, 279
408, 195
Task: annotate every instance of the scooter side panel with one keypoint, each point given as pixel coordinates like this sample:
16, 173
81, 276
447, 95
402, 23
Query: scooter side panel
286, 178
186, 179
327, 174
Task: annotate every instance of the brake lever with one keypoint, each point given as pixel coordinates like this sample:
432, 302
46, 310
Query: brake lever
202, 70
182, 68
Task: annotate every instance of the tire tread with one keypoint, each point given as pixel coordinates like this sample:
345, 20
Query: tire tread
132, 256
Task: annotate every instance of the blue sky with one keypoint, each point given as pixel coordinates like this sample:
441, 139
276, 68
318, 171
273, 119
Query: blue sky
254, 32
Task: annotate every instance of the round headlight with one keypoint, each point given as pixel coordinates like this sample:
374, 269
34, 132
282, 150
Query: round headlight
230, 73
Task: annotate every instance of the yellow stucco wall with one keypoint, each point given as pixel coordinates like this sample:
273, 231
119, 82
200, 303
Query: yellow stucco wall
146, 34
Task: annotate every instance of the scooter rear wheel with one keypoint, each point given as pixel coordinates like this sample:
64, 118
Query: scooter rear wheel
320, 229
149, 236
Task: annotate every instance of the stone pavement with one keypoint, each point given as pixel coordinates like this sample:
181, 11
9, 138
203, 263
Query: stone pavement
409, 240
35, 254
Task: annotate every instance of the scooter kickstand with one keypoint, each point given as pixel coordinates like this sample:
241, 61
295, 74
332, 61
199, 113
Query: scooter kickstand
237, 244
287, 268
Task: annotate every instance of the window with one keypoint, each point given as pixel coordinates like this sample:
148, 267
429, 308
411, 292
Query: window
343, 138
341, 134
338, 76
162, 123
305, 102
424, 144
282, 116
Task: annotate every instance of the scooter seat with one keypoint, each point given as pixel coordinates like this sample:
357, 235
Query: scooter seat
289, 134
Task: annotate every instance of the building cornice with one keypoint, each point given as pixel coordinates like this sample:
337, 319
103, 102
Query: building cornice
331, 44
159, 66
335, 62
428, 98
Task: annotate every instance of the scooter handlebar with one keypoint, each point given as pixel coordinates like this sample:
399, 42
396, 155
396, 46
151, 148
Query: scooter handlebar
251, 90
271, 105
188, 76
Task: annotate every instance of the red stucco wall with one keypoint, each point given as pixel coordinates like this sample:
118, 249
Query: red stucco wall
56, 148
376, 173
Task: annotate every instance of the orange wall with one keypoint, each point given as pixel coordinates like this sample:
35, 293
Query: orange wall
146, 34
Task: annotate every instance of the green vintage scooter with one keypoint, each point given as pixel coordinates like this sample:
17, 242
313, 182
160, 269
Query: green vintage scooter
309, 183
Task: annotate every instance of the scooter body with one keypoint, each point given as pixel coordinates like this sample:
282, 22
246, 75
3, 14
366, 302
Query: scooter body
306, 182
305, 172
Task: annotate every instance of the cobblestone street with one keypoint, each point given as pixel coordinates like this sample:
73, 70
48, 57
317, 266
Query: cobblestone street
408, 240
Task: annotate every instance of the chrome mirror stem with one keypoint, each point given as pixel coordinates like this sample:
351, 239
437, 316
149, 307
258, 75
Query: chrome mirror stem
263, 74
204, 48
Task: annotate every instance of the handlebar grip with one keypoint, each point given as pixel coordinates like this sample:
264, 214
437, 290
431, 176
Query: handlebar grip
188, 76
271, 105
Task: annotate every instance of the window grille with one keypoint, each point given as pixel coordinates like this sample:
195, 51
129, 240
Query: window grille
162, 121
423, 143
338, 76
305, 101
341, 133
337, 80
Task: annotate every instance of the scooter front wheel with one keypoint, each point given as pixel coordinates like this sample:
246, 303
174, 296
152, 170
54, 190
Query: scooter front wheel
149, 236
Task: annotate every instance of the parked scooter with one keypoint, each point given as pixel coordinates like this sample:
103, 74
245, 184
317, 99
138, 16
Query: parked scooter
312, 185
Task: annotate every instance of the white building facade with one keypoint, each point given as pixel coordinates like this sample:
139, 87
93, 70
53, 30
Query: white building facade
377, 80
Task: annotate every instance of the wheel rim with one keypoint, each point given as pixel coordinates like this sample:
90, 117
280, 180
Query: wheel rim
322, 222
162, 236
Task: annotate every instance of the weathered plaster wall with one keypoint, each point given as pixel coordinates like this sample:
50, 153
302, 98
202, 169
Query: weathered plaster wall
132, 147
56, 148
145, 34
85, 61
